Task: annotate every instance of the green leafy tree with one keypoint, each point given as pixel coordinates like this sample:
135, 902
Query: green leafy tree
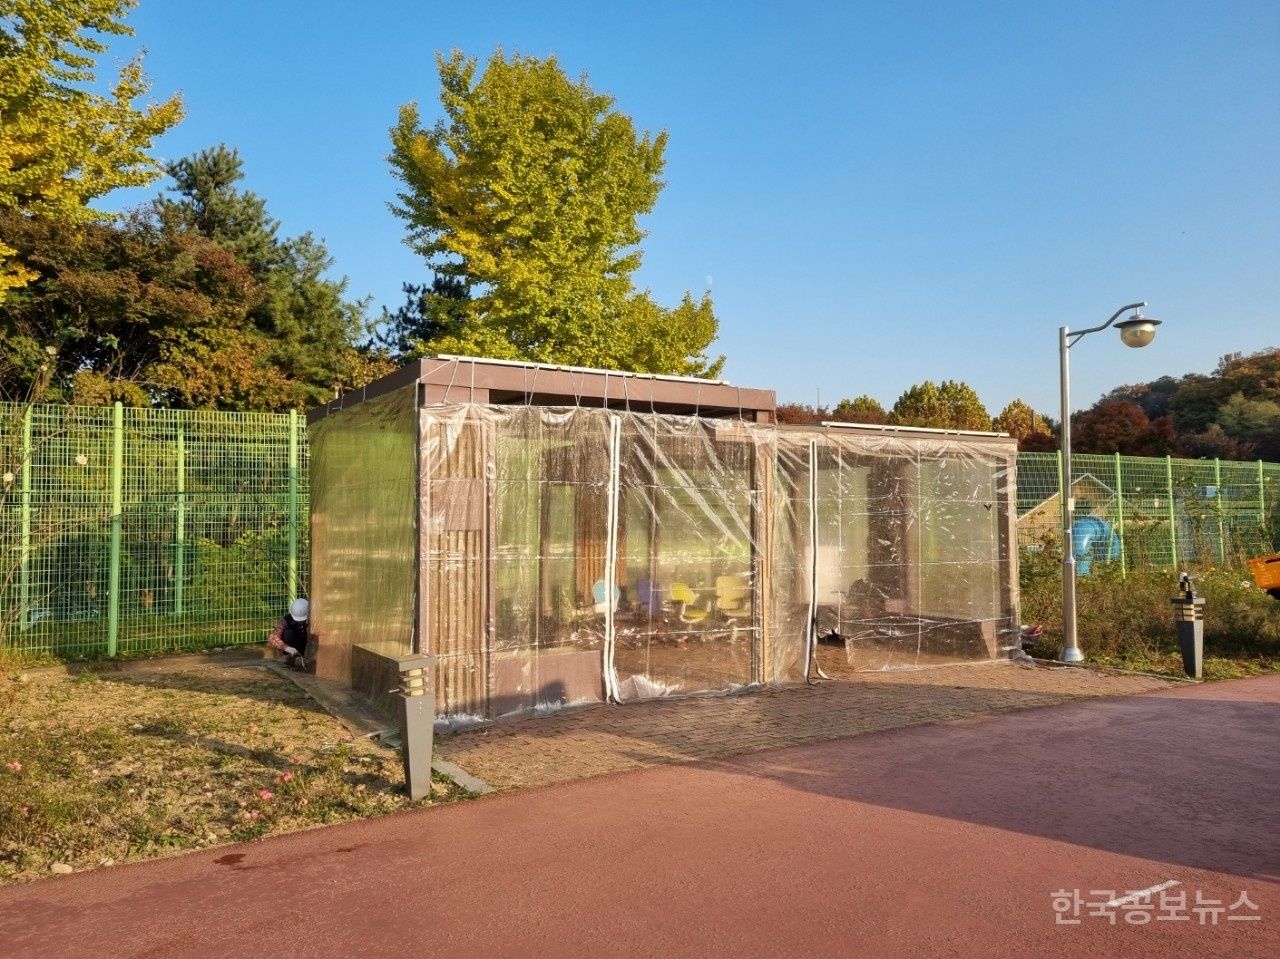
860, 409
1241, 418
528, 191
429, 313
63, 144
949, 405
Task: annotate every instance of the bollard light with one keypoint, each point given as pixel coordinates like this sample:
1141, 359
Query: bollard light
1188, 615
417, 722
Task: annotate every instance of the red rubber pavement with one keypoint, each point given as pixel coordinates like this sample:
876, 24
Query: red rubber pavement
934, 840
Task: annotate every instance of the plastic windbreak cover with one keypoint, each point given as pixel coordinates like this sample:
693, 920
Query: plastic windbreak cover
515, 551
363, 522
910, 548
791, 557
688, 613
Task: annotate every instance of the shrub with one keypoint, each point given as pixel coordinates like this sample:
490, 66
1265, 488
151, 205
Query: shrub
1128, 620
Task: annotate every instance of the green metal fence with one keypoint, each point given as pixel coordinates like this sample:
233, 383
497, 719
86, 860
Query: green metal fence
139, 530
1149, 511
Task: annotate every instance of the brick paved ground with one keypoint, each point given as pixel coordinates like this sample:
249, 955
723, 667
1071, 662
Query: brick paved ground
603, 739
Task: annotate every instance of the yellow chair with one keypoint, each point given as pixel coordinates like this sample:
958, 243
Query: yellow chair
733, 600
685, 598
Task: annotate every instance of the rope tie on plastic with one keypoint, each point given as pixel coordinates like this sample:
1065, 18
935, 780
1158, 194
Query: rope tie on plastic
452, 374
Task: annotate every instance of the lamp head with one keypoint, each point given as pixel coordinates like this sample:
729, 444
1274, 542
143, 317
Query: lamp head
1138, 330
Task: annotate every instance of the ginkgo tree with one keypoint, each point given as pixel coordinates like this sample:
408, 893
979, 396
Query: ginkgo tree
950, 404
527, 193
62, 143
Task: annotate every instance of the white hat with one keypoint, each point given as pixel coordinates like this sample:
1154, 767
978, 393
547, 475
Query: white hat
300, 610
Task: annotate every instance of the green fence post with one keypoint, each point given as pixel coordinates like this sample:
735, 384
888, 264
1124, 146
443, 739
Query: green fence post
293, 504
1173, 513
117, 527
1217, 499
1262, 499
24, 561
1124, 565
180, 533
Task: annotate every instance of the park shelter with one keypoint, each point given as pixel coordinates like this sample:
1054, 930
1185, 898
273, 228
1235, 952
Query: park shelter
557, 536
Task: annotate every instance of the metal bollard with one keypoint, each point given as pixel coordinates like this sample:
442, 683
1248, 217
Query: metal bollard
1188, 613
417, 721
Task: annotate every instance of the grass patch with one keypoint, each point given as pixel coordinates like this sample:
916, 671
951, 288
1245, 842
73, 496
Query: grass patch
1127, 621
105, 768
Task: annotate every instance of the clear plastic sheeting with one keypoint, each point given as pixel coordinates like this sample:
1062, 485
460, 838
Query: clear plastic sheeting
515, 548
897, 549
573, 555
577, 555
688, 556
363, 530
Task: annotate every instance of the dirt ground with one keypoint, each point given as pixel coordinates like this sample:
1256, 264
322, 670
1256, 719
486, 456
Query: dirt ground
106, 767
122, 763
594, 740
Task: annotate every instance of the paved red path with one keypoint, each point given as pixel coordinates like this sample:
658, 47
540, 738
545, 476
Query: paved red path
940, 840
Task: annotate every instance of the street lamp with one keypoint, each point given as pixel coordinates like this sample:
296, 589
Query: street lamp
1135, 331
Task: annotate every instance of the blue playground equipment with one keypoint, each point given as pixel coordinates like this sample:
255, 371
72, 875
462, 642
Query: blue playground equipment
1094, 539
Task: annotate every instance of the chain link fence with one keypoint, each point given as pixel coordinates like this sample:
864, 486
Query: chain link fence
131, 531
1137, 511
127, 531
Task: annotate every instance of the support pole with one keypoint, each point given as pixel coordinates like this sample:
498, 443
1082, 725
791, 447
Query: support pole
1217, 499
1124, 563
293, 505
811, 628
1262, 499
1173, 512
24, 569
180, 531
612, 692
117, 527
1070, 641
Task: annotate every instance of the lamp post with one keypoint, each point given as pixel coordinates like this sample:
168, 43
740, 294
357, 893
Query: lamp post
1135, 331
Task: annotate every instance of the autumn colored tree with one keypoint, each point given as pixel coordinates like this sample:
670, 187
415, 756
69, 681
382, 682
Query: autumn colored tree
1153, 397
800, 414
1021, 422
63, 143
131, 312
1230, 413
528, 192
1213, 443
949, 405
860, 409
1121, 426
153, 315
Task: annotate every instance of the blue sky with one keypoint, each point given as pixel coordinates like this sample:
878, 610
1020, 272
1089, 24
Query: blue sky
877, 193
